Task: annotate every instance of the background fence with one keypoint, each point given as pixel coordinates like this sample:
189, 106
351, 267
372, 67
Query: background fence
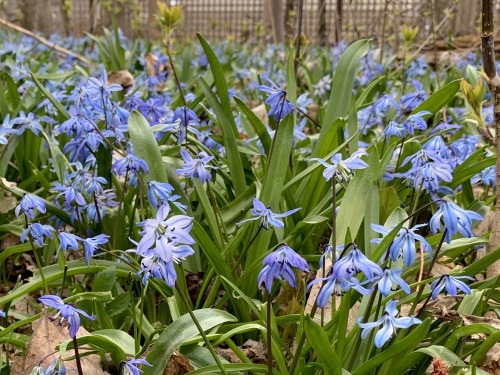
246, 20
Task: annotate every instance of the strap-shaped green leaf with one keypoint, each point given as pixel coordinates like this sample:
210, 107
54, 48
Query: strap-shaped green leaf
179, 332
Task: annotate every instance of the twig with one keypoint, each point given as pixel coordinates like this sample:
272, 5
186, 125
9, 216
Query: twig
42, 40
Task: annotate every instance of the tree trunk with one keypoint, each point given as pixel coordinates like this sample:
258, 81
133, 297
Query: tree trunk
488, 49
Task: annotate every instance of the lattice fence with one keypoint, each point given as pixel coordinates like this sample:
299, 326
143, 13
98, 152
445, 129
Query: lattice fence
245, 20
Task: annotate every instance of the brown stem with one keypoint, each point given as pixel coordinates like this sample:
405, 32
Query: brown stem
77, 357
44, 41
488, 49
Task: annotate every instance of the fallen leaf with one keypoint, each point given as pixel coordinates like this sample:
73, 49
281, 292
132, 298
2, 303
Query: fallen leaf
41, 349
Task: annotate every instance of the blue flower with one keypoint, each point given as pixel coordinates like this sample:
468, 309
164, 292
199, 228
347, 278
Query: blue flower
415, 122
176, 229
279, 104
278, 265
71, 195
384, 104
67, 312
90, 245
2, 314
98, 86
6, 129
196, 167
354, 262
393, 129
389, 323
162, 190
388, 278
260, 211
30, 203
451, 285
130, 166
455, 219
403, 243
328, 253
342, 169
68, 241
131, 366
186, 118
337, 285
29, 122
37, 232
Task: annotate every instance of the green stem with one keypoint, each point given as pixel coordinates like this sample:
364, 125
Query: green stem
269, 336
218, 216
300, 343
200, 329
366, 316
37, 258
245, 250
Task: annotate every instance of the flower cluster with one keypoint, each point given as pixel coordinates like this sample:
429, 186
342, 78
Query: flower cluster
164, 241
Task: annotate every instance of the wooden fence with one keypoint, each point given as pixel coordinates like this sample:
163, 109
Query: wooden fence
245, 20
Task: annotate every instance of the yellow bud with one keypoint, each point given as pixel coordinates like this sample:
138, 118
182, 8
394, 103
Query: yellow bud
169, 17
473, 95
409, 33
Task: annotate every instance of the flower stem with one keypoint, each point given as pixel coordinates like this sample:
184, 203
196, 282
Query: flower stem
77, 357
427, 274
300, 343
200, 329
243, 253
428, 298
269, 336
37, 258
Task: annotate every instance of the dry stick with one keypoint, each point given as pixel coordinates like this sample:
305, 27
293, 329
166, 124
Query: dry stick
42, 40
488, 49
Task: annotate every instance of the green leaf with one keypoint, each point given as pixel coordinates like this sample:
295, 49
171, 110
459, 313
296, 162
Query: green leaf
398, 348
60, 108
120, 338
226, 122
342, 84
246, 367
257, 124
179, 332
437, 351
356, 199
146, 147
105, 280
272, 189
319, 341
440, 98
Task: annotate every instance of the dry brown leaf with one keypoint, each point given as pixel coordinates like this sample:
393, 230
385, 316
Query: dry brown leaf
41, 349
178, 365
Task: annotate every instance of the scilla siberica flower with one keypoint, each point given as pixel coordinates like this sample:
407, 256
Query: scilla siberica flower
341, 277
389, 323
29, 204
38, 232
164, 241
55, 368
197, 167
403, 244
451, 285
267, 217
278, 265
342, 169
388, 278
279, 105
67, 311
455, 219
130, 367
90, 245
